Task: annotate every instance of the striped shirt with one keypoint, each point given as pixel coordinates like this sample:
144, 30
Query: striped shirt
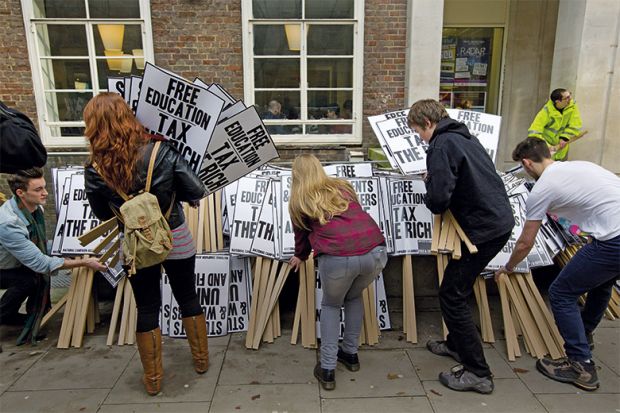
183, 245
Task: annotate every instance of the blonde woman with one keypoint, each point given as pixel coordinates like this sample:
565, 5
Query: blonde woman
350, 249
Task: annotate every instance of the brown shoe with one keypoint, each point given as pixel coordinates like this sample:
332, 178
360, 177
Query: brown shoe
149, 347
196, 330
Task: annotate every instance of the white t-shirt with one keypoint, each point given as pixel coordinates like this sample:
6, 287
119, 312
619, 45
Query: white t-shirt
581, 192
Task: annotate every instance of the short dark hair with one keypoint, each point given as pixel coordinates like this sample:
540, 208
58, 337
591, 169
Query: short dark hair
534, 149
20, 179
426, 109
557, 94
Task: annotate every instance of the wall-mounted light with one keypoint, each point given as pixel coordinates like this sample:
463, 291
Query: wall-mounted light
139, 58
112, 35
293, 36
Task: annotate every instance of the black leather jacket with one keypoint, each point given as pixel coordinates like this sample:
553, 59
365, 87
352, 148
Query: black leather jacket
171, 174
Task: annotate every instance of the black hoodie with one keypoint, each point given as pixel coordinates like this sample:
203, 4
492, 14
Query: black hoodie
461, 177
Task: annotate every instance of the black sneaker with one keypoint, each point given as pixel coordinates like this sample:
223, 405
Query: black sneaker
440, 348
326, 377
578, 373
460, 379
350, 361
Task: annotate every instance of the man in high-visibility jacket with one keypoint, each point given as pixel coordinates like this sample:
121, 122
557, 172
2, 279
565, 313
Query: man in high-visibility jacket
557, 123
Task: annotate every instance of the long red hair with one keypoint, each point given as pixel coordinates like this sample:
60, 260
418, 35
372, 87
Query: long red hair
115, 137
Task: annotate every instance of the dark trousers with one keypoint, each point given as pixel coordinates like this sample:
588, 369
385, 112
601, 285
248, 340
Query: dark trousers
147, 291
20, 283
593, 270
454, 292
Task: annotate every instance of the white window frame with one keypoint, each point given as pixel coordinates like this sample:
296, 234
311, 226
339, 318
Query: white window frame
355, 138
30, 22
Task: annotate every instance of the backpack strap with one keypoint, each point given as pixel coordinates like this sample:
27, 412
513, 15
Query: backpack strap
149, 174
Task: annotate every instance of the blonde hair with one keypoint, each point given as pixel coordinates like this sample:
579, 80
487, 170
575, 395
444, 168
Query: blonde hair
316, 196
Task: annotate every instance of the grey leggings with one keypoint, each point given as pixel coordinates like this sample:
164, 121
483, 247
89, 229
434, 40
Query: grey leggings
343, 279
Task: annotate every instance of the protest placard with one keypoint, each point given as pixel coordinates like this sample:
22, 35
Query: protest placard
264, 242
127, 82
184, 113
502, 257
175, 319
373, 120
412, 221
212, 284
134, 92
166, 302
63, 197
250, 195
287, 236
484, 126
367, 190
79, 219
117, 85
238, 146
385, 213
349, 170
383, 313
239, 294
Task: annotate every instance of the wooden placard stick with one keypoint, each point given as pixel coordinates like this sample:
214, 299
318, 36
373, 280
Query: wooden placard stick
110, 251
304, 319
65, 325
262, 291
373, 311
115, 259
133, 319
452, 235
122, 333
276, 289
442, 263
115, 310
546, 313
539, 319
78, 332
487, 311
200, 239
311, 290
527, 322
212, 223
367, 317
443, 236
98, 231
77, 309
508, 327
90, 316
412, 329
256, 273
470, 246
105, 241
218, 218
297, 316
436, 233
457, 252
55, 308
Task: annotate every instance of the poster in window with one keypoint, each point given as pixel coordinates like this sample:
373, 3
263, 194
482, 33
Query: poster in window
448, 55
472, 62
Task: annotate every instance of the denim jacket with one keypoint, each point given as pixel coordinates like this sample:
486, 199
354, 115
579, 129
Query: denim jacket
15, 246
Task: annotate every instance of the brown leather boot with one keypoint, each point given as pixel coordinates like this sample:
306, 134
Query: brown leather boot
149, 347
196, 330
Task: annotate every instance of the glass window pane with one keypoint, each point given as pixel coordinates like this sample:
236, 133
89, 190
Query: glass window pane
53, 9
330, 40
276, 39
276, 73
330, 72
62, 40
124, 66
72, 131
329, 9
117, 37
276, 9
329, 129
66, 74
113, 9
66, 106
324, 101
287, 101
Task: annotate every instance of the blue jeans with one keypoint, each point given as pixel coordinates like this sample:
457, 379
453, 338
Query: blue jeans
593, 270
343, 279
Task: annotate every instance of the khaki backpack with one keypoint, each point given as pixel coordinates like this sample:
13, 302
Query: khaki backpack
147, 239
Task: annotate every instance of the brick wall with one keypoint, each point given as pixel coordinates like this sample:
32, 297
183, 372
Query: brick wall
384, 60
15, 74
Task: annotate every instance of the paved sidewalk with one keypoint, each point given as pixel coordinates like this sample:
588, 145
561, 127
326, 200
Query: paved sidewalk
395, 377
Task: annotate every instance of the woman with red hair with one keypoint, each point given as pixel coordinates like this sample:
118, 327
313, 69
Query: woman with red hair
120, 149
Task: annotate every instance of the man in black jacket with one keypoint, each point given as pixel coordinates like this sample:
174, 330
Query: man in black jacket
461, 177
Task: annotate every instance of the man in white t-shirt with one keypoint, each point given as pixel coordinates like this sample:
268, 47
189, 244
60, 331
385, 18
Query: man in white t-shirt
584, 194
